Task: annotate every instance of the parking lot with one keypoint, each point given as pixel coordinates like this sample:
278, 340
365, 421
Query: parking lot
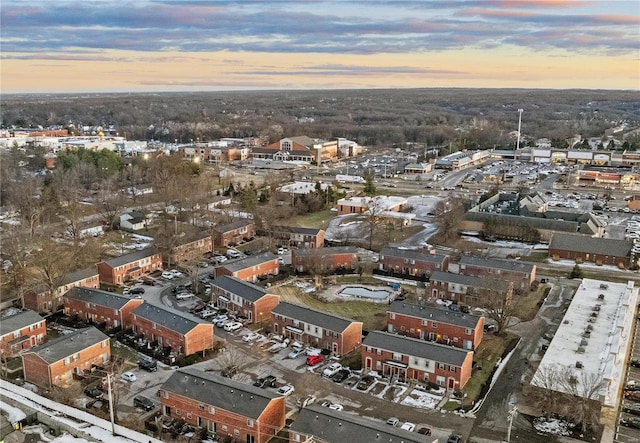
628, 426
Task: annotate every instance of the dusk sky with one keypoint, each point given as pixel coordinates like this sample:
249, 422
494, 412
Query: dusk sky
111, 46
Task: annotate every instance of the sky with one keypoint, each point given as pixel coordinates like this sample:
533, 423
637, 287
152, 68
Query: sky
50, 46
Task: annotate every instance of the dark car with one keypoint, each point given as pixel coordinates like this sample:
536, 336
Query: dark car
632, 409
632, 395
455, 438
266, 382
365, 382
148, 365
143, 403
630, 423
341, 375
94, 393
136, 290
424, 431
635, 363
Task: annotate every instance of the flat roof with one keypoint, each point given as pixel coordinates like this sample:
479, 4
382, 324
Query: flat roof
596, 332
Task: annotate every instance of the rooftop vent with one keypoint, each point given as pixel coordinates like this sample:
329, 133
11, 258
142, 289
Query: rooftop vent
603, 286
580, 350
589, 328
596, 308
584, 342
600, 296
586, 334
592, 320
579, 364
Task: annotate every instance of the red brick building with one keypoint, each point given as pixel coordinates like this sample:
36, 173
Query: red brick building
224, 407
466, 288
407, 358
437, 324
119, 270
521, 274
339, 335
181, 332
250, 268
325, 260
20, 332
44, 301
297, 237
55, 362
101, 307
190, 248
234, 232
292, 149
412, 262
586, 249
244, 298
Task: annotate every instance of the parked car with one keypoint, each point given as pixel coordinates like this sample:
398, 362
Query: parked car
266, 382
250, 337
143, 403
233, 326
424, 431
314, 359
286, 390
94, 393
129, 376
455, 438
632, 395
365, 382
393, 421
207, 313
308, 400
630, 423
341, 375
331, 370
313, 351
632, 409
221, 323
184, 295
148, 365
635, 363
167, 275
336, 407
176, 273
136, 290
408, 426
295, 353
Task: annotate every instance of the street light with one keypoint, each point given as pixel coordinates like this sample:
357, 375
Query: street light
260, 320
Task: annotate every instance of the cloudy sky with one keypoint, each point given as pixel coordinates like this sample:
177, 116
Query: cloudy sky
171, 45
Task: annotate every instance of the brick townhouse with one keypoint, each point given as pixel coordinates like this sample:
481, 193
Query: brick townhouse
244, 298
55, 362
251, 268
412, 262
434, 323
586, 249
182, 332
339, 335
521, 274
325, 260
21, 331
225, 408
190, 248
317, 423
118, 270
45, 301
297, 237
408, 358
235, 233
112, 309
467, 288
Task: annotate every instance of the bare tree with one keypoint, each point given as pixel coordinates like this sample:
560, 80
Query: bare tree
25, 197
448, 215
586, 388
498, 302
545, 384
373, 217
109, 202
52, 261
229, 363
166, 239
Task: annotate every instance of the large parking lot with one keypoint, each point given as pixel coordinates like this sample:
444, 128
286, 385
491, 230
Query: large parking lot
628, 426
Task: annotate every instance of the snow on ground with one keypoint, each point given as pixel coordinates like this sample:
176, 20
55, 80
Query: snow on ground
592, 266
13, 414
553, 426
422, 400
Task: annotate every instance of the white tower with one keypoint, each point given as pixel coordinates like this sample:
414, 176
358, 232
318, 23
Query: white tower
519, 125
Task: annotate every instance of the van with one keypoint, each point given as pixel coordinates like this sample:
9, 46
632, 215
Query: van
232, 253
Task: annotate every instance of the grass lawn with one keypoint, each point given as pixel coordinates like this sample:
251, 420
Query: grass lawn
314, 220
486, 357
537, 256
128, 355
526, 306
371, 314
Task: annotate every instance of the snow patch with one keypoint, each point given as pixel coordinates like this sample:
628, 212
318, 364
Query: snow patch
422, 400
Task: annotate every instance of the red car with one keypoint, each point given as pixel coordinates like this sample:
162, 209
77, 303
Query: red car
314, 360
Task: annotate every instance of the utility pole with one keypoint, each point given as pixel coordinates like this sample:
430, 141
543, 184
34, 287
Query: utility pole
519, 125
511, 415
113, 423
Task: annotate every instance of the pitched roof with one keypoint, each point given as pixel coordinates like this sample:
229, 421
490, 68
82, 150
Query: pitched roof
18, 321
103, 298
220, 392
252, 260
321, 252
416, 347
169, 318
296, 230
192, 237
232, 226
510, 265
592, 245
438, 314
338, 427
303, 140
129, 258
69, 344
313, 317
244, 289
412, 254
470, 280
81, 274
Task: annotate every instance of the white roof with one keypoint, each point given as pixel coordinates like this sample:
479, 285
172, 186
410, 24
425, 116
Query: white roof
607, 310
382, 202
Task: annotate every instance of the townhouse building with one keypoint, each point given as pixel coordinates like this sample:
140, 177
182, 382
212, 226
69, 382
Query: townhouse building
467, 288
412, 262
234, 232
119, 270
44, 301
325, 260
190, 248
406, 358
586, 249
434, 323
521, 274
20, 332
101, 307
227, 409
183, 333
336, 334
55, 362
250, 269
245, 299
297, 237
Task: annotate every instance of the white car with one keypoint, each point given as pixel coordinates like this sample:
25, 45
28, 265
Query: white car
167, 275
206, 313
336, 407
295, 353
282, 251
286, 390
233, 326
313, 351
250, 337
129, 376
332, 370
176, 273
408, 426
184, 295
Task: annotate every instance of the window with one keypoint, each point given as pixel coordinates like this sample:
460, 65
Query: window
178, 412
201, 407
434, 324
368, 348
392, 315
67, 361
212, 410
165, 394
250, 423
224, 428
188, 414
397, 357
379, 351
440, 365
452, 369
104, 344
425, 322
467, 331
296, 437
